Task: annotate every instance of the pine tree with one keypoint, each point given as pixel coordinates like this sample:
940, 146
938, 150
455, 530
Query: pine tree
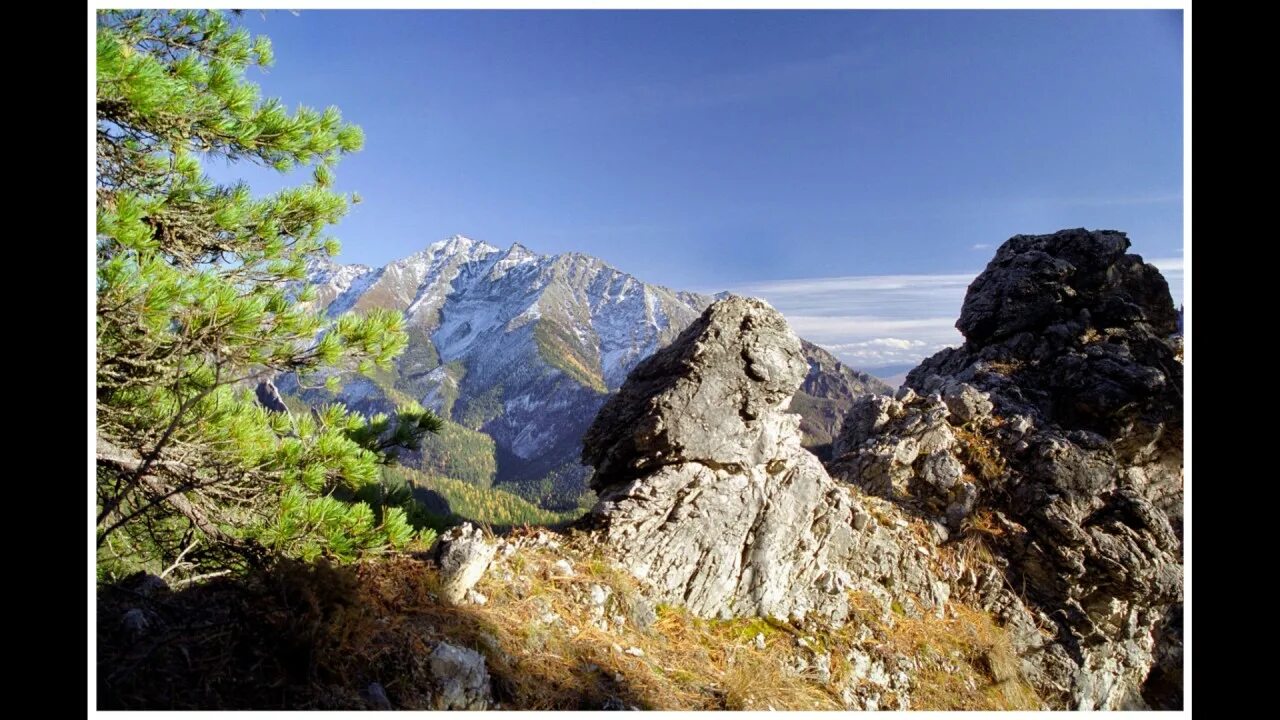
201, 296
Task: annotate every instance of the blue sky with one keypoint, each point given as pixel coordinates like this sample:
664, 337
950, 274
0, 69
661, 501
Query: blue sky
762, 151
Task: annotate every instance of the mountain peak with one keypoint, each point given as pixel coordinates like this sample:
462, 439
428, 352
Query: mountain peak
520, 251
455, 244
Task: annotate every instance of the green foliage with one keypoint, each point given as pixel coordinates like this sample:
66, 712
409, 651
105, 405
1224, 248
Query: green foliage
463, 501
560, 488
562, 350
460, 453
481, 408
199, 297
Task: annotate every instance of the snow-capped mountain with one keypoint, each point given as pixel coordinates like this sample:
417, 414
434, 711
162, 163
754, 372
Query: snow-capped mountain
525, 348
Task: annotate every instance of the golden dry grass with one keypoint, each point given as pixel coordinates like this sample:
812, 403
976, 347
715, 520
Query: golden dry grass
981, 456
312, 637
966, 661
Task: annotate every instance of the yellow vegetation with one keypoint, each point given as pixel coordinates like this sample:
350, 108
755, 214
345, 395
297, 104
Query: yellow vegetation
316, 637
980, 455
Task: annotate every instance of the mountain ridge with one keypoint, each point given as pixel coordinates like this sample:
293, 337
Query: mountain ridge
525, 348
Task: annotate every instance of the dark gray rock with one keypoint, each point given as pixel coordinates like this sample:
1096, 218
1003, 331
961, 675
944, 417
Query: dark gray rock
376, 696
269, 397
138, 622
1064, 405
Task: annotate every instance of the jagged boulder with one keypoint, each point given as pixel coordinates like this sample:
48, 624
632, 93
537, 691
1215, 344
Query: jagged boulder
1061, 414
706, 494
463, 555
907, 448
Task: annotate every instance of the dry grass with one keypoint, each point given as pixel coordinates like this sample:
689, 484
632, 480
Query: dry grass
686, 662
965, 661
1002, 367
981, 456
316, 636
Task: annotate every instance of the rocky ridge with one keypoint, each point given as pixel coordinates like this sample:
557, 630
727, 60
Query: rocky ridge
706, 494
1002, 533
525, 348
1056, 431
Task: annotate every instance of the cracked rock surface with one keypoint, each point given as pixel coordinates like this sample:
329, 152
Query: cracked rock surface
1058, 424
706, 494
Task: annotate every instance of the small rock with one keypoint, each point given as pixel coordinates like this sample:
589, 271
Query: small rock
861, 519
562, 567
965, 402
476, 598
642, 613
149, 585
637, 652
760, 642
462, 678
939, 532
136, 622
821, 667
377, 697
463, 556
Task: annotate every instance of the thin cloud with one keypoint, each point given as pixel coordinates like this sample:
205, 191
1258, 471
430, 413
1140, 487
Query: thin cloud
875, 321
980, 246
870, 321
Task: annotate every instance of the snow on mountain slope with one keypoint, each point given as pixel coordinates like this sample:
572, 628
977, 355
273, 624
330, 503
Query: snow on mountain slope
526, 347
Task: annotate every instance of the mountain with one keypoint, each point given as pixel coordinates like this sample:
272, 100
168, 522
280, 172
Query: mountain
1004, 532
518, 351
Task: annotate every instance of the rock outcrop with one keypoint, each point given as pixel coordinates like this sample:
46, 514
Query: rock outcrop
463, 554
906, 448
706, 494
1057, 429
